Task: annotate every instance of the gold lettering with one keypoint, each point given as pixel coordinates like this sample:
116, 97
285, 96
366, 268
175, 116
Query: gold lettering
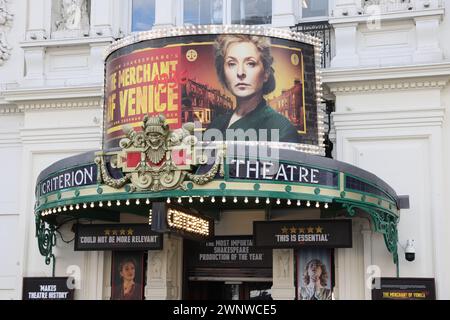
160, 107
155, 72
172, 97
151, 104
131, 102
123, 102
111, 106
113, 82
141, 100
147, 72
139, 73
132, 76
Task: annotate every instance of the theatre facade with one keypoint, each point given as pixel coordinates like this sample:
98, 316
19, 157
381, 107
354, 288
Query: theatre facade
206, 215
126, 164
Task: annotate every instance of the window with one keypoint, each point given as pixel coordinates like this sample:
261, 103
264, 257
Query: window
251, 11
203, 11
314, 8
143, 15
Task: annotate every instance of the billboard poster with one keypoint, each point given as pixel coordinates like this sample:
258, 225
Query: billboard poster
127, 275
262, 85
116, 237
46, 288
303, 233
314, 274
404, 289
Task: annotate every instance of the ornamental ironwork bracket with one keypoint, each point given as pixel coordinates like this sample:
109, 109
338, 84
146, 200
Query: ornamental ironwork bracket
46, 237
384, 222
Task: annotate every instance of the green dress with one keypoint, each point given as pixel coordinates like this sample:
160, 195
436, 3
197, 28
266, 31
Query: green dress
262, 117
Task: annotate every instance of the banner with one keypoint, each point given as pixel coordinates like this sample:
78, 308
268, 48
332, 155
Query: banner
404, 289
229, 252
314, 274
117, 237
222, 82
43, 288
303, 233
127, 275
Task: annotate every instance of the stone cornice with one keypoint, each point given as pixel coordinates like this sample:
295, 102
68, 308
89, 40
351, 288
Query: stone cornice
389, 118
50, 98
386, 16
387, 78
9, 109
66, 42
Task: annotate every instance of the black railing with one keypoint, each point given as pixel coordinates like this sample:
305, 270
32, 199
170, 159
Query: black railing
321, 30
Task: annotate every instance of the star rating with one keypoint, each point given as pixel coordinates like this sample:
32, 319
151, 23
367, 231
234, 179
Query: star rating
107, 232
122, 232
310, 230
284, 230
293, 230
301, 230
319, 229
114, 232
130, 232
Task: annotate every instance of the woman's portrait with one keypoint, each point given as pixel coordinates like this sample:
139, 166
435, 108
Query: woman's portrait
314, 281
127, 275
244, 67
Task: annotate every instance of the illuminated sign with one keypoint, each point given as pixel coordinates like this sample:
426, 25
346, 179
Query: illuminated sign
168, 218
190, 79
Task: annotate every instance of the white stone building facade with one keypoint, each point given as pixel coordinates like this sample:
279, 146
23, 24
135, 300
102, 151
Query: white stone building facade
389, 77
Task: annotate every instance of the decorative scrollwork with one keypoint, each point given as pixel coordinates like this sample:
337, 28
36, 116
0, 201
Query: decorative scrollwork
103, 174
209, 176
384, 222
156, 159
46, 237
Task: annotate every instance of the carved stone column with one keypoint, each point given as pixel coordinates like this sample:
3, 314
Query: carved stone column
346, 43
164, 271
284, 13
165, 13
34, 61
36, 28
427, 31
102, 17
283, 274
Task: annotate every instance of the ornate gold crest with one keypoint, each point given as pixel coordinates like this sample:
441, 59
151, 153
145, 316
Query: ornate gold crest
155, 158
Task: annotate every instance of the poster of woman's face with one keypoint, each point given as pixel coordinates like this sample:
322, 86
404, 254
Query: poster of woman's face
127, 275
314, 274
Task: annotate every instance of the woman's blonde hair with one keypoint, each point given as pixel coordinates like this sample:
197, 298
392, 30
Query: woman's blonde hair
261, 43
323, 275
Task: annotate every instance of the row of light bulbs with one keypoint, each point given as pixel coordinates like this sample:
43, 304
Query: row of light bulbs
91, 205
246, 200
179, 200
214, 29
